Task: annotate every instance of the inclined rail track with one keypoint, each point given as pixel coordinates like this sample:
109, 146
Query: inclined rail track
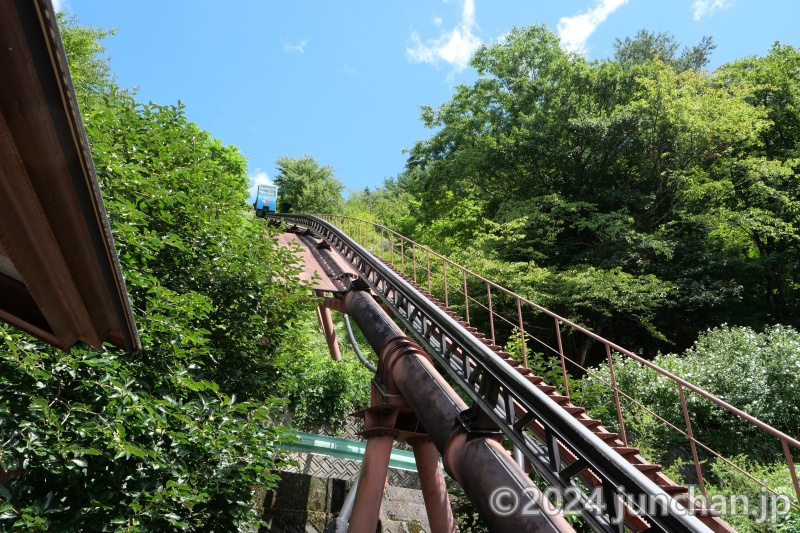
569, 450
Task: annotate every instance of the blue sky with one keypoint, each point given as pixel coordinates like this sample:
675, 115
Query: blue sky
343, 81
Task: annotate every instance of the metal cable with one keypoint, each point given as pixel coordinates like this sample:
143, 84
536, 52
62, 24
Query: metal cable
353, 341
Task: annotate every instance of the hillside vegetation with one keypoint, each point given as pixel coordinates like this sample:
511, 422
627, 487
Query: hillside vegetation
649, 199
642, 196
177, 436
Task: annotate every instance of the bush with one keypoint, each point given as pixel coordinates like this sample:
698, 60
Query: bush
177, 436
322, 393
756, 372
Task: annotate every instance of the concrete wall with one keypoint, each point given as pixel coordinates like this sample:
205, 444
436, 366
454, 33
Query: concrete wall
303, 503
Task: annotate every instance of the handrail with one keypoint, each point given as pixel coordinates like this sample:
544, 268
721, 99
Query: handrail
339, 448
361, 228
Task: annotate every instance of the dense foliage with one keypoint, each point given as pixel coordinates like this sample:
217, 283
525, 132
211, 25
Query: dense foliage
640, 195
757, 372
305, 186
176, 436
323, 392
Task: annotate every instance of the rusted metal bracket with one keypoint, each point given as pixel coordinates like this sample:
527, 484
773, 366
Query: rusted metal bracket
359, 285
477, 425
335, 304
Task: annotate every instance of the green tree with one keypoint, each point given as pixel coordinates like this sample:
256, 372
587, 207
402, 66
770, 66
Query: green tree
389, 205
305, 186
174, 437
89, 66
647, 46
581, 169
754, 202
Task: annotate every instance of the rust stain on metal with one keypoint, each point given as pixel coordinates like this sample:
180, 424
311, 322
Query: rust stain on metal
326, 269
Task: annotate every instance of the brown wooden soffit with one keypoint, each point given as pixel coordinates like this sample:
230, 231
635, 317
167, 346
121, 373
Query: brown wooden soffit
60, 278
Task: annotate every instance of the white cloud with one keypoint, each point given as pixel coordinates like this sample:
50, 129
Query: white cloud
575, 31
455, 47
706, 7
299, 47
58, 5
259, 178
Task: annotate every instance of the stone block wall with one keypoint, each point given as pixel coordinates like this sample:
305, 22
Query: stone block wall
305, 504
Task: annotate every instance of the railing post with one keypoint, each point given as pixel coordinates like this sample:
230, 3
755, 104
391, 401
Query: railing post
491, 310
697, 469
561, 355
428, 260
788, 453
414, 258
391, 243
522, 334
444, 277
616, 396
466, 295
402, 255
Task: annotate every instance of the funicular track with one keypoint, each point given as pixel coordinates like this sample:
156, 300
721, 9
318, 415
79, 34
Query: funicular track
569, 450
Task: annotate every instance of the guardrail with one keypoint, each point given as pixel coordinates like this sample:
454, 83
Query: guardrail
470, 293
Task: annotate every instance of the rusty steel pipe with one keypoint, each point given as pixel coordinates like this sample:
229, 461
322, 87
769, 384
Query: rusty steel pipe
325, 318
371, 481
434, 490
481, 465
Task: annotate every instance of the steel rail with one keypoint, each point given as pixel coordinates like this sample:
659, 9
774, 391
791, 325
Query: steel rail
623, 351
505, 397
787, 442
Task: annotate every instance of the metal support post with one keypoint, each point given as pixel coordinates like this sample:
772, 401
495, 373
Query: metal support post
434, 490
480, 464
371, 481
379, 430
326, 319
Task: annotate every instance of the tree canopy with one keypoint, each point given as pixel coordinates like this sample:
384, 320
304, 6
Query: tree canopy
639, 175
305, 186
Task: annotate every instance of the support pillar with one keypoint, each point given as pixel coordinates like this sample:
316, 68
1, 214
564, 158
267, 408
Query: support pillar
324, 314
480, 464
378, 421
434, 490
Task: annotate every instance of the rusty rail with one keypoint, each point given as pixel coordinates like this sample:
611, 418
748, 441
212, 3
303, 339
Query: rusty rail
558, 442
438, 268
